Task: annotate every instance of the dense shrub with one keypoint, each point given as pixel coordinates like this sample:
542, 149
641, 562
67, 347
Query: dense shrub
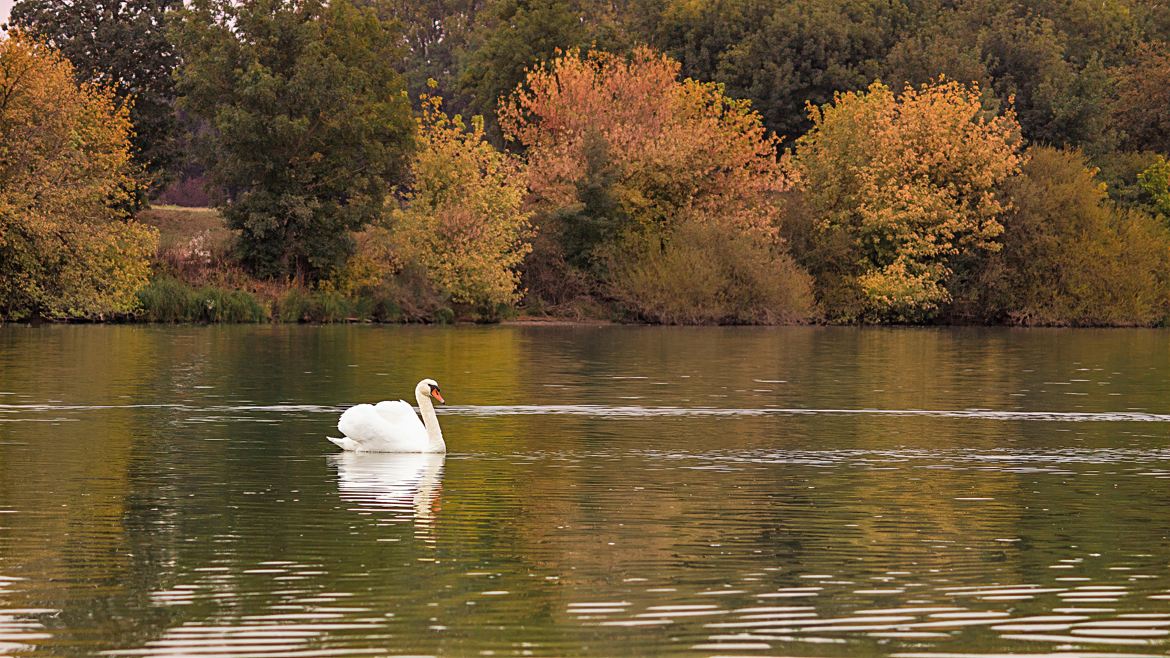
705, 275
299, 304
463, 220
166, 299
829, 256
455, 245
220, 305
328, 305
621, 152
414, 294
1121, 171
1070, 256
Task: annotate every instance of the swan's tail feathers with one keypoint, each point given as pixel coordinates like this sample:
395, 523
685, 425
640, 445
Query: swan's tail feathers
345, 443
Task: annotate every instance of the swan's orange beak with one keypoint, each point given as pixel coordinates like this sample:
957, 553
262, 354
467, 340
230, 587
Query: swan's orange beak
437, 395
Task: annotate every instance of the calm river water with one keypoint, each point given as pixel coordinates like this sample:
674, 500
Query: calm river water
168, 491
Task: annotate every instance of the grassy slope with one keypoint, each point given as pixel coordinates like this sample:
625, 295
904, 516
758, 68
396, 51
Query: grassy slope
177, 225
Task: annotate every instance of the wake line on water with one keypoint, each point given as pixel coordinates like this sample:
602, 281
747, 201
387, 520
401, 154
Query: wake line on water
633, 411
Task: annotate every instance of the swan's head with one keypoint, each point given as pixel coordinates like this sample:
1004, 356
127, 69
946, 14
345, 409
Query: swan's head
429, 387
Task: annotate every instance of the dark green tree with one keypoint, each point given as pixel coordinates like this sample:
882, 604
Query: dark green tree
308, 123
808, 49
700, 34
1091, 28
1020, 56
516, 35
597, 218
122, 44
435, 36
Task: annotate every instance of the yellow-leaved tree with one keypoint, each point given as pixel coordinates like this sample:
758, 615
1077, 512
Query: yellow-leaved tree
462, 227
900, 189
66, 248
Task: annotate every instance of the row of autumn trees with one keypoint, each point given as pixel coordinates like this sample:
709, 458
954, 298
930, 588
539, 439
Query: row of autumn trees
1011, 169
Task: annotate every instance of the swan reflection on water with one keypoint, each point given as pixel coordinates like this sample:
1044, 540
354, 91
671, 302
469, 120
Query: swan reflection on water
408, 485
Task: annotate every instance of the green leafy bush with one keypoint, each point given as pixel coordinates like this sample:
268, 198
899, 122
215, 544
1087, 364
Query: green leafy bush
166, 299
299, 304
222, 305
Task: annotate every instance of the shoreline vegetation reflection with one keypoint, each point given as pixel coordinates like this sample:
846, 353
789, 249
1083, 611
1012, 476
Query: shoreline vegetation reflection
169, 491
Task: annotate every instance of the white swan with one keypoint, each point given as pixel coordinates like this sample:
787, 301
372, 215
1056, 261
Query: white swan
392, 426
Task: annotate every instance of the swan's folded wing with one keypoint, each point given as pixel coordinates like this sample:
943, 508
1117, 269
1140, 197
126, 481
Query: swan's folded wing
387, 427
399, 414
359, 422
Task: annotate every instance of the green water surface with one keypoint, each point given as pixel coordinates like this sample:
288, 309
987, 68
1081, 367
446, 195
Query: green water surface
610, 491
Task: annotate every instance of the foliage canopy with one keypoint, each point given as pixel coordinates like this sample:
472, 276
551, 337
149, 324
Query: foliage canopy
621, 154
122, 44
65, 170
309, 125
1070, 256
911, 184
462, 220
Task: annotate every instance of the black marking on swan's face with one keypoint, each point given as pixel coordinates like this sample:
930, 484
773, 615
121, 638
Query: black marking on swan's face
436, 393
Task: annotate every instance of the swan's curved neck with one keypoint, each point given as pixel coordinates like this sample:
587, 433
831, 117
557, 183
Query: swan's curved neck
431, 422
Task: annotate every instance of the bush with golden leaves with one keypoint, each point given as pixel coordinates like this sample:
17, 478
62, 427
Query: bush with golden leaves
462, 224
911, 183
66, 250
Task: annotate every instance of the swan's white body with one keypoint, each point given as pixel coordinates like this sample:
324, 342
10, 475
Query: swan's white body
392, 426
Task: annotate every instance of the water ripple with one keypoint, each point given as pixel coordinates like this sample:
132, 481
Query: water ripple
637, 411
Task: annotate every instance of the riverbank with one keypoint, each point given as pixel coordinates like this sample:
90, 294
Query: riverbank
197, 279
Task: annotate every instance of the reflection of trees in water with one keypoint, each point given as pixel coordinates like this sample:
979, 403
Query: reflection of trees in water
69, 482
152, 497
841, 519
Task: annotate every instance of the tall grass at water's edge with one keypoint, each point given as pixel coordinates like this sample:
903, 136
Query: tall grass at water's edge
167, 299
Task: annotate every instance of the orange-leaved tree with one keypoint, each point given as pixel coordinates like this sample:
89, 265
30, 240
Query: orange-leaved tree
462, 225
66, 250
621, 154
907, 186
